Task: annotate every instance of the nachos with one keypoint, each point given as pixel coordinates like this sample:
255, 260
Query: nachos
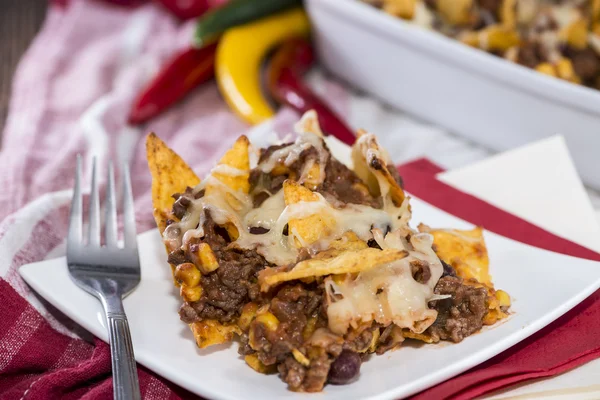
560, 38
312, 265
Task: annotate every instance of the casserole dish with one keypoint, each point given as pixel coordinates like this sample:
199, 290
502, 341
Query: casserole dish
488, 100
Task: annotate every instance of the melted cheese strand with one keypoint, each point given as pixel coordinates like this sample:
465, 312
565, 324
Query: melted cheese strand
387, 294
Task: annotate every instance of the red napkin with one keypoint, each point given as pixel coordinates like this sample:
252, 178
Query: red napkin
570, 341
51, 365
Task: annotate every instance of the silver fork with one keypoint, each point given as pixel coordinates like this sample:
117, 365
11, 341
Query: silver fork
108, 272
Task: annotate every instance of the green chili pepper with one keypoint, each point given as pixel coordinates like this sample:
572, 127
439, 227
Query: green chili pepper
236, 12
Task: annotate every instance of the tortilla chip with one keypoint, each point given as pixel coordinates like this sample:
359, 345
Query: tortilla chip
371, 165
210, 332
309, 229
423, 337
309, 122
313, 177
463, 250
170, 174
467, 253
348, 242
233, 171
347, 262
238, 158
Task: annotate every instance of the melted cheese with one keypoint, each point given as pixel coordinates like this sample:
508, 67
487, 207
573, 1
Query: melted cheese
290, 154
387, 294
268, 213
274, 215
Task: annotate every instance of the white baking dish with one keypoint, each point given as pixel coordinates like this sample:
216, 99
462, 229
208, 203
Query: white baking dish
489, 100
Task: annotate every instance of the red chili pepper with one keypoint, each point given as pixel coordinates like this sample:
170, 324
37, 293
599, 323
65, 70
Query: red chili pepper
184, 72
188, 9
284, 81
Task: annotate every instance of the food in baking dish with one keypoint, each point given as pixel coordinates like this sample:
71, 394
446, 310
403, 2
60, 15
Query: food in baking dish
310, 264
560, 38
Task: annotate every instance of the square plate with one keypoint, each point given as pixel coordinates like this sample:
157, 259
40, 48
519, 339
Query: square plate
536, 280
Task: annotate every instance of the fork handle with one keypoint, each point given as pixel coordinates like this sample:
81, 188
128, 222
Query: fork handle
125, 379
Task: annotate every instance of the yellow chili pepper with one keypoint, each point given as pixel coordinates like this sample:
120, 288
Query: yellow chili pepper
239, 57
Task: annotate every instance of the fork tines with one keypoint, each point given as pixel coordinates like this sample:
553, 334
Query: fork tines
75, 235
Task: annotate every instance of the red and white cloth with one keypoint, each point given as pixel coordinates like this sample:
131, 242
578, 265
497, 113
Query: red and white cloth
71, 94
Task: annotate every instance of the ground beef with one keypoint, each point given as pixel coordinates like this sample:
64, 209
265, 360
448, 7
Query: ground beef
529, 54
292, 373
585, 62
343, 184
177, 257
360, 342
265, 153
183, 201
340, 181
289, 307
292, 305
462, 314
317, 373
308, 379
233, 284
229, 287
187, 313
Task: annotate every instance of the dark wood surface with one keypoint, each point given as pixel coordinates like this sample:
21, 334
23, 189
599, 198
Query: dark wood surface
20, 20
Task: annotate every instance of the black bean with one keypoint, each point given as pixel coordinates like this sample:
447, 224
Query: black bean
372, 243
448, 269
258, 230
345, 368
180, 207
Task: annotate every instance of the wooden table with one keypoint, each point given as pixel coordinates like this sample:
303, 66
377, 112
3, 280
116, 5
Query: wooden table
19, 22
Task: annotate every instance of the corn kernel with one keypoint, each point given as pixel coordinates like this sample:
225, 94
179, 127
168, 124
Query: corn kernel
400, 8
595, 9
565, 70
576, 34
374, 340
248, 314
497, 37
301, 358
232, 230
207, 258
190, 294
546, 68
310, 327
257, 365
508, 11
456, 12
490, 318
470, 38
503, 298
339, 279
313, 177
268, 320
187, 274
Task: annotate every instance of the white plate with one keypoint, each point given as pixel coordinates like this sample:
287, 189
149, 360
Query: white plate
544, 285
